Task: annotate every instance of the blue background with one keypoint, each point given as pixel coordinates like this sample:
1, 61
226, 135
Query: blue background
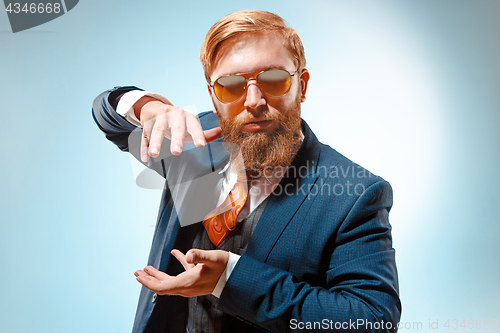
408, 89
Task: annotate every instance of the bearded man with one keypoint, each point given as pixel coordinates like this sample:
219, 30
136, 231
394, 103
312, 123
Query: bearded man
285, 241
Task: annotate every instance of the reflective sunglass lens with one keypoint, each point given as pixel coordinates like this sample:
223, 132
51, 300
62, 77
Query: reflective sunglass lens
230, 88
274, 82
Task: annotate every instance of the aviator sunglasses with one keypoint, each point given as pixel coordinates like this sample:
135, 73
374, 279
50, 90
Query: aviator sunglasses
273, 82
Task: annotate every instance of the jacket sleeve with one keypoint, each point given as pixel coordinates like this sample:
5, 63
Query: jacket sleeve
360, 291
116, 128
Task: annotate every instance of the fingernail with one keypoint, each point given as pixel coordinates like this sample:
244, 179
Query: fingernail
146, 270
136, 274
201, 142
177, 149
154, 150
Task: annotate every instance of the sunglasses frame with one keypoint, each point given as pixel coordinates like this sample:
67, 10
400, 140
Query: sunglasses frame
211, 84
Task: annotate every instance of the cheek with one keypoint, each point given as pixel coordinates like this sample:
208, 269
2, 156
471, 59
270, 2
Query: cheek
227, 111
295, 97
286, 102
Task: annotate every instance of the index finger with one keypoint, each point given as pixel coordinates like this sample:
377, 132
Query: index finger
195, 130
182, 259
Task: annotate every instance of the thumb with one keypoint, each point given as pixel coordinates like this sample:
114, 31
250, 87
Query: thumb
212, 134
196, 256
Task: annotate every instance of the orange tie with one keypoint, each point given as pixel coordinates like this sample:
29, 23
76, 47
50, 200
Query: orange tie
222, 220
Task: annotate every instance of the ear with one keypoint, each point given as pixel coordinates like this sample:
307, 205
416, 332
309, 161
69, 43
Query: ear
210, 92
304, 79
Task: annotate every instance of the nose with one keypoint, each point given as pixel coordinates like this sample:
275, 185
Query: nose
254, 97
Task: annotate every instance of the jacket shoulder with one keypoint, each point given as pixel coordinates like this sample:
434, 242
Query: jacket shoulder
334, 165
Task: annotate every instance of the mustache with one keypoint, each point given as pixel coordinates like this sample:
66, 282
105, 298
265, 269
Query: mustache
265, 114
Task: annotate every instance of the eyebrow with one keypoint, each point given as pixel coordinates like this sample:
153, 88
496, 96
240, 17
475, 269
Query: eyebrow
259, 71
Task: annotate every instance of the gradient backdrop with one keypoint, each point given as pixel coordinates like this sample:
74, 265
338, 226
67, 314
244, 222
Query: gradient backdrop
409, 89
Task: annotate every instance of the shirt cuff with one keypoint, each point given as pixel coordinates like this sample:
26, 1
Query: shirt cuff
125, 107
233, 260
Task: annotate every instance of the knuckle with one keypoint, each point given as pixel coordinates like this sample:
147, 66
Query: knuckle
178, 127
147, 112
159, 129
172, 109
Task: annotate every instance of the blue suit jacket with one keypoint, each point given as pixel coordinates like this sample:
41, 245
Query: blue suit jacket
321, 254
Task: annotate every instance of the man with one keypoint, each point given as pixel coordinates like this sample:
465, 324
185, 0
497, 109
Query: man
293, 235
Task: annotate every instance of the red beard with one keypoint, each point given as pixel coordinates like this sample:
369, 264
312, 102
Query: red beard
266, 152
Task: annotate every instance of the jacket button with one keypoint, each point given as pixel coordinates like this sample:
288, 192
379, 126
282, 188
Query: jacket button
153, 299
207, 304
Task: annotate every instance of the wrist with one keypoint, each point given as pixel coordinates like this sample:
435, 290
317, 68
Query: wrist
141, 103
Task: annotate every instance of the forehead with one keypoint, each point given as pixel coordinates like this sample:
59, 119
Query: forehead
252, 52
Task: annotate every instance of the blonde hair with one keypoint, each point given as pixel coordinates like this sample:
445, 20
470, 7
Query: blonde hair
249, 21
